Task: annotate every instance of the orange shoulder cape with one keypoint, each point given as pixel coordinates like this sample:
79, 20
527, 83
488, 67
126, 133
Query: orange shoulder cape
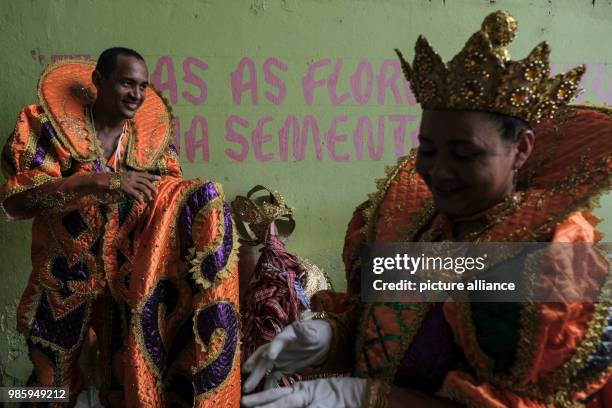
567, 172
65, 89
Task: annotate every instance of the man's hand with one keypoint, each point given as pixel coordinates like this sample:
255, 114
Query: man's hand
298, 346
323, 393
139, 185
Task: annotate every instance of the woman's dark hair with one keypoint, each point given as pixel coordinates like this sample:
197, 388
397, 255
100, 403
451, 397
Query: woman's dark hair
107, 61
510, 126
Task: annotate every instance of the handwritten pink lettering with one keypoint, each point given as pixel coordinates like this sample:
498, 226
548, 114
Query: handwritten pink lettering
192, 142
191, 78
165, 64
332, 85
310, 127
309, 84
362, 96
274, 80
384, 82
240, 85
601, 83
259, 138
399, 134
332, 138
233, 136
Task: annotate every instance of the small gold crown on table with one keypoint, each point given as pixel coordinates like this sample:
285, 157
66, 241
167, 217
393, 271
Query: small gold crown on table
482, 76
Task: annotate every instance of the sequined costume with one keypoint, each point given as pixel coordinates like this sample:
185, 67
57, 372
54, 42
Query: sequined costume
490, 354
484, 354
156, 282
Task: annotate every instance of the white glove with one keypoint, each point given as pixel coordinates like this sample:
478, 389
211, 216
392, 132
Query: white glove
297, 346
323, 393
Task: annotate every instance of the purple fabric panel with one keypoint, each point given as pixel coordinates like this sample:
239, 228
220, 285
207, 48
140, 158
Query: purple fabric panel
430, 356
97, 164
217, 260
220, 315
74, 223
65, 274
165, 292
64, 332
43, 144
48, 131
196, 201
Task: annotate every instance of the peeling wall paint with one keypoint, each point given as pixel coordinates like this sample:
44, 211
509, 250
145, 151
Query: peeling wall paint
298, 33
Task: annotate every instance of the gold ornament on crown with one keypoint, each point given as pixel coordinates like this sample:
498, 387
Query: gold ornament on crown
482, 76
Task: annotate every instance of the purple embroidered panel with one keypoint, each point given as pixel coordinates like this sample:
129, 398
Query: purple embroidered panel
219, 315
64, 332
430, 356
65, 274
48, 130
196, 201
43, 144
172, 148
218, 259
165, 292
74, 223
97, 165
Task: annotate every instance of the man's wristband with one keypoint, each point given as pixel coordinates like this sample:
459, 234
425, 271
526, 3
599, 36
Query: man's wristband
114, 182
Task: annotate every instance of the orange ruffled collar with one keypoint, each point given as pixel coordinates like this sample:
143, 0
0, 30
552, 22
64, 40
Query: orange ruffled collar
569, 169
65, 90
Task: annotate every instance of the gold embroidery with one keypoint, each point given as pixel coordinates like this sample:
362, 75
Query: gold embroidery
154, 156
30, 151
59, 349
76, 124
209, 360
37, 180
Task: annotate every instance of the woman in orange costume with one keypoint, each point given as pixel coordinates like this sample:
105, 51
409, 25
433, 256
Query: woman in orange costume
120, 243
481, 174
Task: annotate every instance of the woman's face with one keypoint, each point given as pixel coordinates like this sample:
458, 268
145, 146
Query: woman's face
464, 161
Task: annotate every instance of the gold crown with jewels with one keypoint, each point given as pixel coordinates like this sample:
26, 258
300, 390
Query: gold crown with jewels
483, 78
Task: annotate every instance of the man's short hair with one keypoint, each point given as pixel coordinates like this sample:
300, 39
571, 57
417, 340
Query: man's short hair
107, 61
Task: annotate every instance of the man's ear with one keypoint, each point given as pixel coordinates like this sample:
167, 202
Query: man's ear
524, 147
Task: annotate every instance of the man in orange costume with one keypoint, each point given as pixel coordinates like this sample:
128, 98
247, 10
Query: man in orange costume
120, 243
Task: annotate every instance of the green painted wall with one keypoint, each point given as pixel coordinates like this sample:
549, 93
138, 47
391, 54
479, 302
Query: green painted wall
203, 41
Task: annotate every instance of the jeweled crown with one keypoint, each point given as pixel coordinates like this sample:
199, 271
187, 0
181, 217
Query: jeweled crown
482, 76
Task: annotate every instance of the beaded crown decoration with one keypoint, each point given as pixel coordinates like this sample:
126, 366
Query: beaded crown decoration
482, 76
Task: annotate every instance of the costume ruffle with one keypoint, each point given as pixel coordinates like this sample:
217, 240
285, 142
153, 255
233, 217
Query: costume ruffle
157, 282
552, 353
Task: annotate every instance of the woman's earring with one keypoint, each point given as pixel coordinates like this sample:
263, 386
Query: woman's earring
514, 181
